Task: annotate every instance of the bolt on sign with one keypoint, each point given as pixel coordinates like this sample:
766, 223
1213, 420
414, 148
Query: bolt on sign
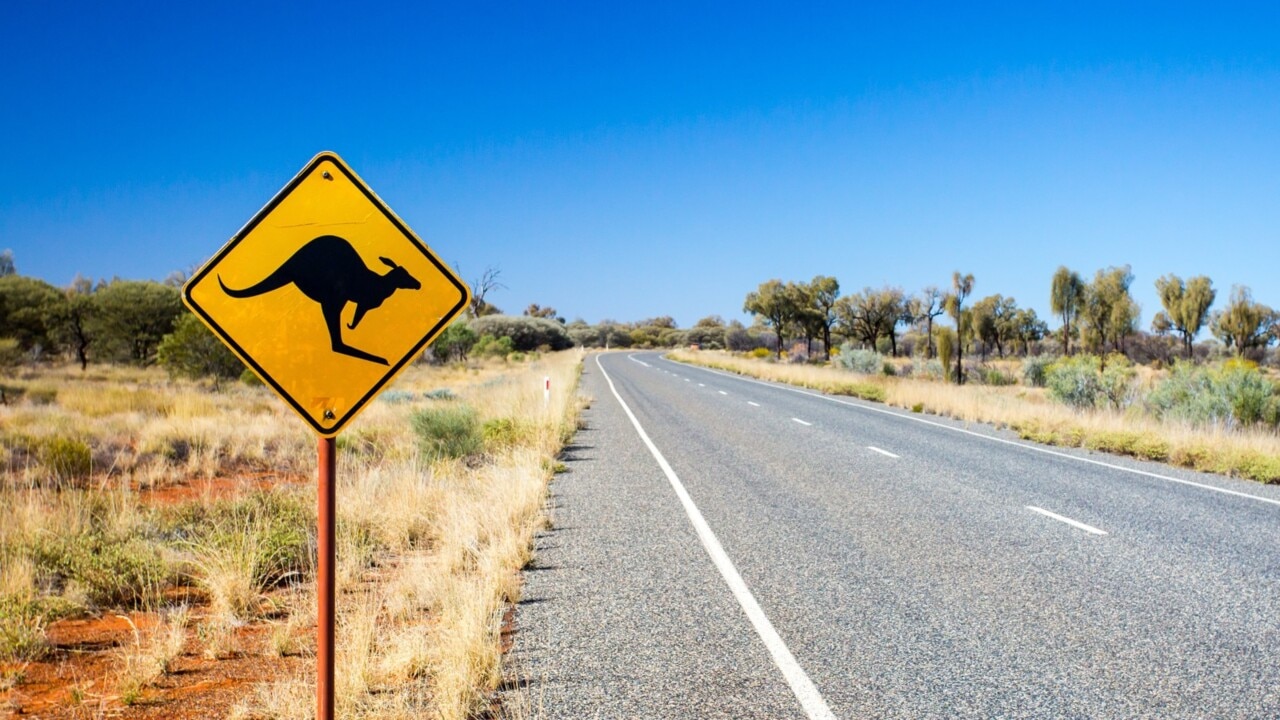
326, 294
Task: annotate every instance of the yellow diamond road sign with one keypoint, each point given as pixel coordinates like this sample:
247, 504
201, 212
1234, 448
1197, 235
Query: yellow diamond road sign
326, 294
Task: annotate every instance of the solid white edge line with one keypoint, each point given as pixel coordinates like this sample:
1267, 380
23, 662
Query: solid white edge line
1067, 520
882, 452
1025, 446
806, 424
633, 359
803, 688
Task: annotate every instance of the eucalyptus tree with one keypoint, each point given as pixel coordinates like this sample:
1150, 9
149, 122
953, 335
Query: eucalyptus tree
1065, 298
824, 292
961, 288
924, 307
1186, 306
1108, 312
1245, 324
772, 303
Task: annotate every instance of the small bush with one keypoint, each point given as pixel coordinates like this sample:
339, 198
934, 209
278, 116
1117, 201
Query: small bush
193, 351
439, 394
928, 368
489, 346
865, 391
993, 376
504, 432
450, 431
1271, 411
866, 362
525, 334
240, 548
395, 397
1034, 370
250, 378
1074, 381
455, 343
108, 571
65, 458
1230, 395
888, 369
759, 353
1115, 383
22, 623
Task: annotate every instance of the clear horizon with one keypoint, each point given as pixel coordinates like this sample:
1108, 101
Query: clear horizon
633, 162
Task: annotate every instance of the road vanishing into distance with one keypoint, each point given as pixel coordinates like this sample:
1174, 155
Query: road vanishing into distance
728, 548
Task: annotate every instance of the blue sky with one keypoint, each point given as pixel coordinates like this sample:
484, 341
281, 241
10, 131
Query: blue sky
627, 161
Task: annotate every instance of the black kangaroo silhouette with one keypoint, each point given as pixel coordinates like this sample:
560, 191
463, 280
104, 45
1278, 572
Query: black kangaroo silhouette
331, 272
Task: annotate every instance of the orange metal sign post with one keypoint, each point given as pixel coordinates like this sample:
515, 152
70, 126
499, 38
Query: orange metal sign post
328, 296
326, 585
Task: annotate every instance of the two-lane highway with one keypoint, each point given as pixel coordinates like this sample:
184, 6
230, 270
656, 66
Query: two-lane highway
730, 548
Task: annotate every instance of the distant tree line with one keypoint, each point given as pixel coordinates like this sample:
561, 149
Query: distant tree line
1097, 317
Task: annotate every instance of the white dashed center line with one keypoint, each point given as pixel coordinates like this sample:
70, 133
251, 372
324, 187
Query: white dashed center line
723, 392
801, 422
1073, 523
882, 452
753, 404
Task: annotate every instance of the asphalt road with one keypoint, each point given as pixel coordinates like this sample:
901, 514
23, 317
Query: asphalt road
887, 565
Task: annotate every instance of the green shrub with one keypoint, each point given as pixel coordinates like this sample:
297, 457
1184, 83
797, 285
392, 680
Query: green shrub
993, 376
439, 394
865, 391
277, 526
504, 432
1034, 370
65, 458
760, 353
1248, 393
490, 346
888, 369
1115, 383
395, 397
193, 351
1074, 381
455, 343
1271, 411
250, 378
448, 431
866, 362
525, 333
109, 571
1230, 395
22, 622
928, 368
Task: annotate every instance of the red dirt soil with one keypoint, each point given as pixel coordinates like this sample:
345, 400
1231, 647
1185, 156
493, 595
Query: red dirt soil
79, 678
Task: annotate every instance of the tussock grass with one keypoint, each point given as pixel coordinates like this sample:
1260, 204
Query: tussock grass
430, 545
152, 653
1248, 453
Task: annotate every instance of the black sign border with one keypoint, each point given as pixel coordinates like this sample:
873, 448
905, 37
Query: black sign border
358, 406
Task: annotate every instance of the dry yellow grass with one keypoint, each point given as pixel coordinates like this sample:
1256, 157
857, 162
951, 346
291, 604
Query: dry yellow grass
1253, 454
429, 552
